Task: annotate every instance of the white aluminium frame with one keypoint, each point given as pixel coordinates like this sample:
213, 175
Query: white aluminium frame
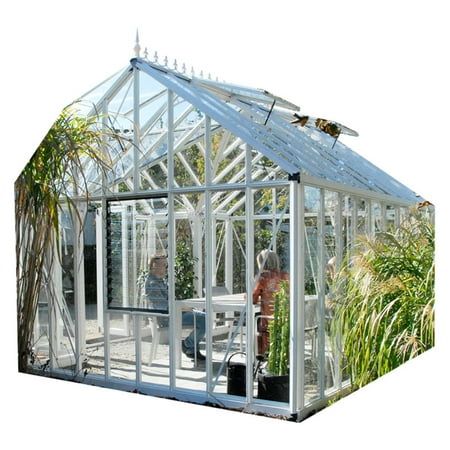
296, 188
208, 189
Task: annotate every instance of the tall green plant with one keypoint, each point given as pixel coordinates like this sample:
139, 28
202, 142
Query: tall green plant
384, 310
184, 271
279, 332
52, 175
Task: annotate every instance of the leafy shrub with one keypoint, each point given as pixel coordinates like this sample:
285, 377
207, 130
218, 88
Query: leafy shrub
384, 308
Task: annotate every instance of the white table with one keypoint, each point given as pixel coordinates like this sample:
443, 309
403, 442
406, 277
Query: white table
220, 303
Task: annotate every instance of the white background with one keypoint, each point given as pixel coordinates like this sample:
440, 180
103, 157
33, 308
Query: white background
377, 67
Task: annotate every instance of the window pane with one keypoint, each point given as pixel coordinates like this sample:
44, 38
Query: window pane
137, 254
271, 294
311, 320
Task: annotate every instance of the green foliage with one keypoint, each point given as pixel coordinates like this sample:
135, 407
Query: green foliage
42, 190
184, 271
279, 332
384, 309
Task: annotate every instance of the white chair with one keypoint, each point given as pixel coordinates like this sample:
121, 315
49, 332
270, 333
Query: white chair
218, 328
156, 331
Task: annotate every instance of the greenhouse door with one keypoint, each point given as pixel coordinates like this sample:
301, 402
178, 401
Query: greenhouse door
137, 289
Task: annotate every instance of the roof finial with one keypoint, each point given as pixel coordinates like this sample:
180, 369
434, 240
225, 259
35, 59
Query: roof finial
175, 64
217, 78
183, 68
201, 73
166, 61
137, 47
209, 76
146, 53
192, 71
155, 57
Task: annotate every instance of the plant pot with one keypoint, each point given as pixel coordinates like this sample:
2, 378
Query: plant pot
236, 377
273, 387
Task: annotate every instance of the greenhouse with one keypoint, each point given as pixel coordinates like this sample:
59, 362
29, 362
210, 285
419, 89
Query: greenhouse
194, 256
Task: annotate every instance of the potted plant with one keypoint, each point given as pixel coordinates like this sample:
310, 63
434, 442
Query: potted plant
273, 381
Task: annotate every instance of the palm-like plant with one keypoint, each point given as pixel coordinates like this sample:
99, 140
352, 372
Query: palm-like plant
384, 309
54, 173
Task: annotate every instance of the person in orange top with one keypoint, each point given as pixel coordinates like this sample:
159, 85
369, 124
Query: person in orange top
266, 286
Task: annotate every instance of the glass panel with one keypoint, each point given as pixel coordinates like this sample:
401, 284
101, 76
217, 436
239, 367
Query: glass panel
122, 346
376, 217
390, 218
311, 258
362, 217
348, 238
63, 311
347, 243
403, 214
190, 319
95, 352
271, 292
264, 169
153, 162
228, 157
189, 144
330, 231
136, 237
190, 165
119, 105
155, 354
40, 351
228, 292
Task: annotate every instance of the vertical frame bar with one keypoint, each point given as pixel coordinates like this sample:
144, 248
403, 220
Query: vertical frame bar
214, 250
397, 217
299, 200
353, 201
229, 255
136, 128
383, 216
173, 346
249, 268
321, 293
209, 256
125, 287
370, 220
137, 319
53, 312
79, 285
104, 273
198, 255
295, 281
339, 257
99, 231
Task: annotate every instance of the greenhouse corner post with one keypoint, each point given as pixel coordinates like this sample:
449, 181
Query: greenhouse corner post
296, 372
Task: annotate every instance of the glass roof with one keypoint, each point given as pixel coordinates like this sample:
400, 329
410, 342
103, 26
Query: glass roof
257, 117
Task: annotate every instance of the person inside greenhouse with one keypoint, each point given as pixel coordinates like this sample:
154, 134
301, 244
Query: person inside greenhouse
157, 296
267, 284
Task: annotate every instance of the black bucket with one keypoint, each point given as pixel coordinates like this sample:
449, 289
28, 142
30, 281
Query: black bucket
236, 377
